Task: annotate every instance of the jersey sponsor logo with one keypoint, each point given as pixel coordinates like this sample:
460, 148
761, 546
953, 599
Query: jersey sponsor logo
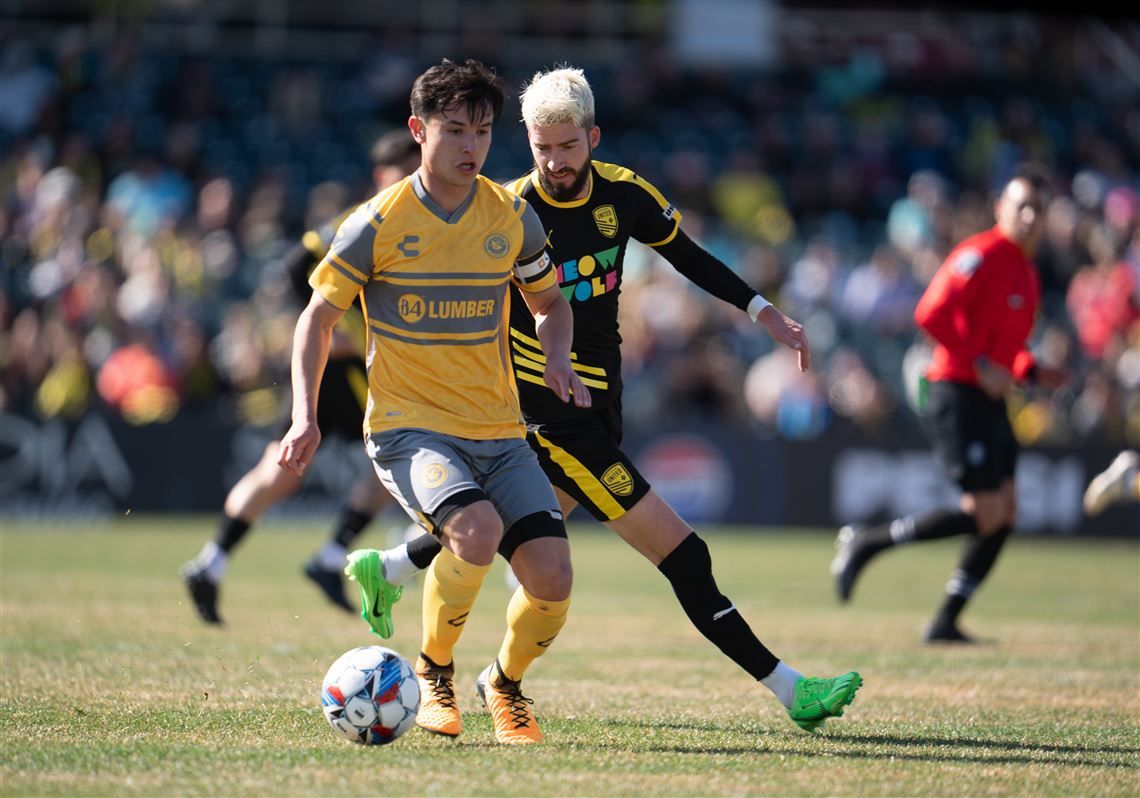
434, 475
967, 262
590, 275
497, 245
410, 307
605, 217
460, 308
406, 249
618, 480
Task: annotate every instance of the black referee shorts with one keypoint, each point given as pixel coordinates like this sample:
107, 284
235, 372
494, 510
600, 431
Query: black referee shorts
582, 458
972, 435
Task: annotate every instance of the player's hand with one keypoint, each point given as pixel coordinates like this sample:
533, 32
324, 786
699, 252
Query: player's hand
993, 378
299, 446
788, 332
565, 382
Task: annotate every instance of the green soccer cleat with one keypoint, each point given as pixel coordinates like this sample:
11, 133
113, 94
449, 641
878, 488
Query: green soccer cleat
377, 594
816, 700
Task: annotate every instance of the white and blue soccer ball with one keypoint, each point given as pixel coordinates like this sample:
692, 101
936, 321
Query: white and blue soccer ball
370, 695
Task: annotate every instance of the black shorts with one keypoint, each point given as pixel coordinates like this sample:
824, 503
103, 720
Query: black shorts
972, 435
583, 458
343, 396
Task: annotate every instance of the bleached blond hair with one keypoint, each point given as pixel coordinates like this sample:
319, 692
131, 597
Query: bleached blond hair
560, 95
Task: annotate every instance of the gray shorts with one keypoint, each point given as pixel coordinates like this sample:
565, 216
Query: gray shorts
422, 469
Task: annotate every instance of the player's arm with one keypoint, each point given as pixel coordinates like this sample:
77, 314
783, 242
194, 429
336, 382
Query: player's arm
709, 273
311, 342
954, 312
336, 282
553, 318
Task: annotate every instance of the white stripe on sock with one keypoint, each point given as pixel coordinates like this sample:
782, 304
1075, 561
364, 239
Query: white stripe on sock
903, 530
718, 615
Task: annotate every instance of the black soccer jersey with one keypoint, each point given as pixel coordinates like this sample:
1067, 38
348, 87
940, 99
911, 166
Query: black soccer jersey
587, 239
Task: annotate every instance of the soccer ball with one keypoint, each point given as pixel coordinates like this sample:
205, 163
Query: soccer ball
370, 695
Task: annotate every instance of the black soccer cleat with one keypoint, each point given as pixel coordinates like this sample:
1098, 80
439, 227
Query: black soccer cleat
205, 595
850, 557
330, 583
947, 632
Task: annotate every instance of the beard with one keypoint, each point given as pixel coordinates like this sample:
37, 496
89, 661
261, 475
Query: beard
571, 190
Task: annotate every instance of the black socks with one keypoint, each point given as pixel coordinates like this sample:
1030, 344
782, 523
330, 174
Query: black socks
689, 570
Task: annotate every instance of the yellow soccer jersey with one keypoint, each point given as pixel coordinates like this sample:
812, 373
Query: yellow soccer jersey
436, 302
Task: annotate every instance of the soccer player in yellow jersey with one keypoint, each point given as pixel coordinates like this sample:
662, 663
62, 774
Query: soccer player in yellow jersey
432, 258
591, 210
395, 155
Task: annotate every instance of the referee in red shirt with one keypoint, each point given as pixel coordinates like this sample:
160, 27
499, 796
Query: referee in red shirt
979, 309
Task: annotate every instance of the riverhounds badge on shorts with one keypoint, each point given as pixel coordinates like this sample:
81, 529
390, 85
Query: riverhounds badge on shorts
618, 480
434, 475
606, 218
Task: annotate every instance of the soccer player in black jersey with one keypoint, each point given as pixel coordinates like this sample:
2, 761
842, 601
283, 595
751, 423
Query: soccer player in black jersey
344, 388
591, 210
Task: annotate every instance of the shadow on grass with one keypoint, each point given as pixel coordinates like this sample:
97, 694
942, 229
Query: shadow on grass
882, 746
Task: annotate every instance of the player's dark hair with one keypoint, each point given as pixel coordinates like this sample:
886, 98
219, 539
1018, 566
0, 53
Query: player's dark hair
449, 85
394, 147
1035, 174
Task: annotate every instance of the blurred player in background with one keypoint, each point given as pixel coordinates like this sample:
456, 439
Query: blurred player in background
1117, 484
432, 258
590, 211
979, 309
344, 392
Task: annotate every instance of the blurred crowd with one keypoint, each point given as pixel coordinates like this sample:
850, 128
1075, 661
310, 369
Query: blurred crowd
149, 195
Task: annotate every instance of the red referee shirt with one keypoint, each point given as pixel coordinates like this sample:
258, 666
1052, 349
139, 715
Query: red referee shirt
981, 302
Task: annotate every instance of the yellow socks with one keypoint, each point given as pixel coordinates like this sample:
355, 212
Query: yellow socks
450, 588
532, 625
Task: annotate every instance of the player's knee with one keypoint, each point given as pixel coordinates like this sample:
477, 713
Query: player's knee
989, 509
474, 530
544, 577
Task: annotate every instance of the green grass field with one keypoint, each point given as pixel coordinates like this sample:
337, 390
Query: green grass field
110, 685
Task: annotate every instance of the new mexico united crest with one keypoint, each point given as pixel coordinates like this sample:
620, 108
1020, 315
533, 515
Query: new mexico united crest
618, 480
606, 218
496, 245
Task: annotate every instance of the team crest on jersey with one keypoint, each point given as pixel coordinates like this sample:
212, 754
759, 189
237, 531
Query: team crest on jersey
410, 307
497, 245
967, 262
434, 475
606, 218
618, 480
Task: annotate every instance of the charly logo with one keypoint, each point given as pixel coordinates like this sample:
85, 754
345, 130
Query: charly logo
410, 307
606, 218
497, 245
618, 480
434, 475
405, 246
